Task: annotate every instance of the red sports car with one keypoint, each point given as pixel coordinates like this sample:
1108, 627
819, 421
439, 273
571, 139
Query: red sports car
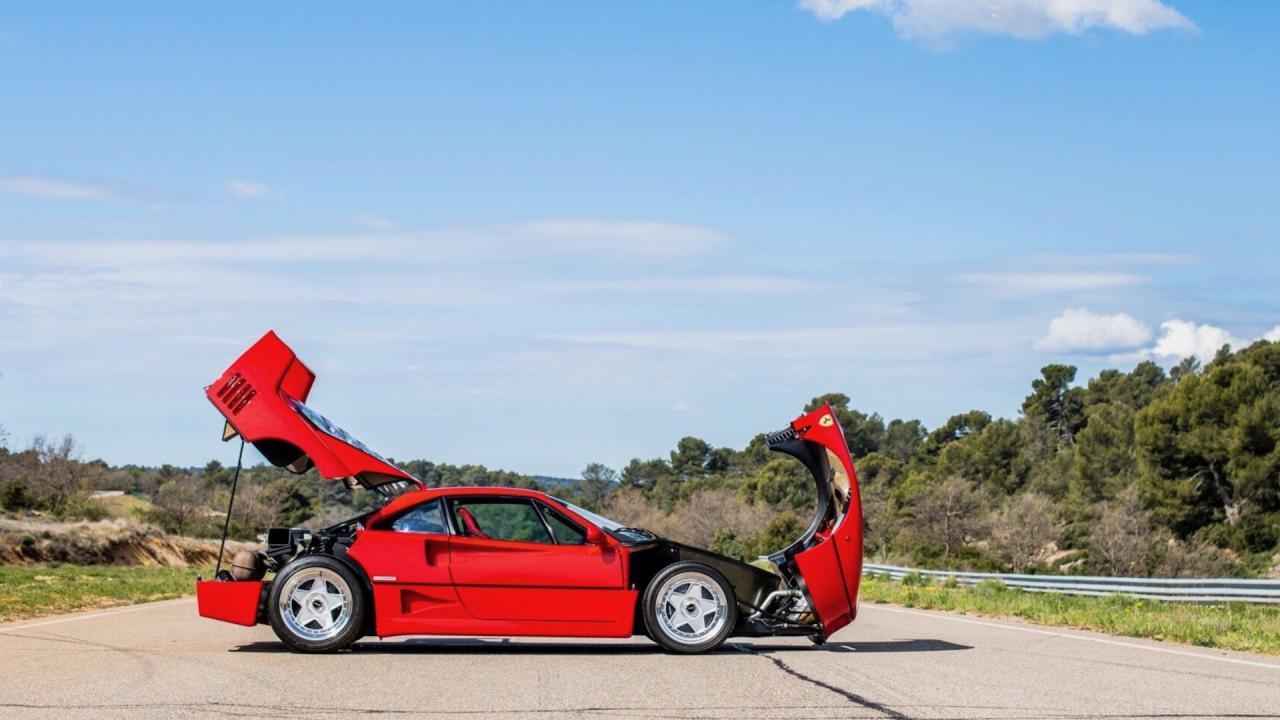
484, 561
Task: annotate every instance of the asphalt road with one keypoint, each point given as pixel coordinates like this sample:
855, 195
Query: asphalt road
161, 660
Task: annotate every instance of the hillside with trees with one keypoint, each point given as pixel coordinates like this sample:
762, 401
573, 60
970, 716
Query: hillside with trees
1145, 472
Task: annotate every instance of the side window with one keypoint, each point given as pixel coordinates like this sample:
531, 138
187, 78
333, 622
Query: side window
565, 532
426, 518
500, 520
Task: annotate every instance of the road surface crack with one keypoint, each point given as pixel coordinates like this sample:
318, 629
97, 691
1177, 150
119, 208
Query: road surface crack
850, 696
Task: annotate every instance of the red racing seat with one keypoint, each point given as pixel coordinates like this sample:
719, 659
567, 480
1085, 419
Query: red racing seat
470, 525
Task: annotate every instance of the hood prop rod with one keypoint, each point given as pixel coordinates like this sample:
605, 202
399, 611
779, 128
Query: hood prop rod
226, 524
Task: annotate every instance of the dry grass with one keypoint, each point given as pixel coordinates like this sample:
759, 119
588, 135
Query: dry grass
108, 542
124, 507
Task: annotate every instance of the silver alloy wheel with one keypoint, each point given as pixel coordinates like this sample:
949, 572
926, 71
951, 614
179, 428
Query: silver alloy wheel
691, 607
315, 604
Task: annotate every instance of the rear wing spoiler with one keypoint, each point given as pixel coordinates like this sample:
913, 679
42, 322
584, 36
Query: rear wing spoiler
263, 397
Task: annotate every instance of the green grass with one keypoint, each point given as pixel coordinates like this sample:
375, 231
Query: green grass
28, 591
1230, 626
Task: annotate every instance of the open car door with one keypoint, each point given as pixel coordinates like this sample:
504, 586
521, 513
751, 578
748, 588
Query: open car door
262, 396
826, 562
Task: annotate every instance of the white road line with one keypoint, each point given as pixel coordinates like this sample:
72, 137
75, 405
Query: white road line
90, 616
1069, 636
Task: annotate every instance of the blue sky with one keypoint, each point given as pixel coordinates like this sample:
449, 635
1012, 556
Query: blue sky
534, 235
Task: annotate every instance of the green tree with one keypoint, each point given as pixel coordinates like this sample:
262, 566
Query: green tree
1132, 390
1211, 447
956, 428
1056, 403
783, 482
778, 533
903, 439
862, 432
598, 480
988, 457
291, 499
1105, 462
691, 458
644, 475
215, 475
751, 458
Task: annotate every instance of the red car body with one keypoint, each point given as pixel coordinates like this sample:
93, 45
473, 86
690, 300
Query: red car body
460, 581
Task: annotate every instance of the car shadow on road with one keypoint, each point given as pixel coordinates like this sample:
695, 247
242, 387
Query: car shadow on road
499, 646
897, 646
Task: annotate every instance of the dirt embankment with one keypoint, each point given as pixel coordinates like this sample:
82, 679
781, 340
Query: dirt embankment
112, 542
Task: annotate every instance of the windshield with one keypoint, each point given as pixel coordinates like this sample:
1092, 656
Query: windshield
327, 426
613, 527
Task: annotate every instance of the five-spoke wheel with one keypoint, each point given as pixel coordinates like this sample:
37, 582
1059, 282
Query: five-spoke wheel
689, 607
316, 605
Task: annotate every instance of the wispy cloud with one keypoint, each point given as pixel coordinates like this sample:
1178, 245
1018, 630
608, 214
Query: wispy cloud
916, 340
593, 239
246, 190
1080, 330
1025, 19
100, 284
1041, 283
695, 285
624, 238
55, 188
1115, 259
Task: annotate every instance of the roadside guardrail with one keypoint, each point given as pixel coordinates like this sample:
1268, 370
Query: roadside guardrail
1201, 590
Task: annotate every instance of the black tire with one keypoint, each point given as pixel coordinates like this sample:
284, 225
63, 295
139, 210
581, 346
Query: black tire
694, 586
322, 624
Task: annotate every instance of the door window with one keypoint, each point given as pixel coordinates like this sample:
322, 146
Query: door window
425, 518
500, 520
565, 532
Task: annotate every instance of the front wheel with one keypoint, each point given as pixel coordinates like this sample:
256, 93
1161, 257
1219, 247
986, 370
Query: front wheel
689, 608
316, 605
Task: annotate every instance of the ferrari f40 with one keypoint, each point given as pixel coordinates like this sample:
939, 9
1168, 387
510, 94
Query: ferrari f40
500, 561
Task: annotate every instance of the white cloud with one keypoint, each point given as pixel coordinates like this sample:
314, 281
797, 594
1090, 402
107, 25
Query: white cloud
1183, 338
1080, 330
1020, 18
46, 187
1272, 335
1039, 283
246, 190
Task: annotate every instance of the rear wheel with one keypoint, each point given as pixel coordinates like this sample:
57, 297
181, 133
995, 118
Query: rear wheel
316, 605
689, 608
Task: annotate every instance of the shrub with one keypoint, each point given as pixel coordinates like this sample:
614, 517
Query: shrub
81, 506
16, 496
